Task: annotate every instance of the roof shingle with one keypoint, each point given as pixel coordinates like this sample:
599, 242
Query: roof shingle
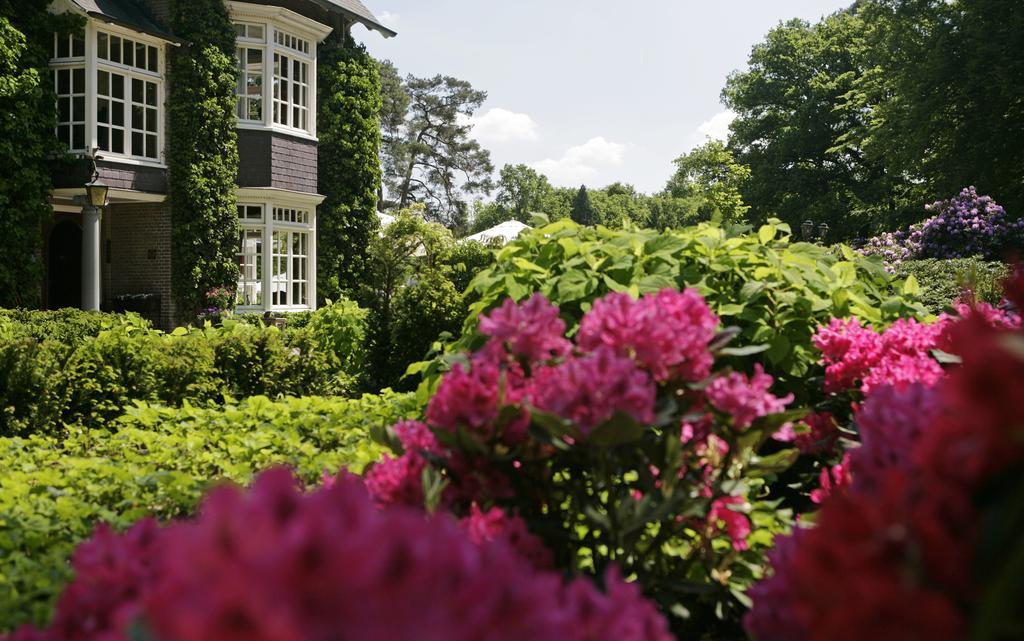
125, 13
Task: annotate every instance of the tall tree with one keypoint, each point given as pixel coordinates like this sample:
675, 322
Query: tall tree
948, 94
794, 114
349, 173
435, 161
712, 179
522, 191
394, 109
582, 210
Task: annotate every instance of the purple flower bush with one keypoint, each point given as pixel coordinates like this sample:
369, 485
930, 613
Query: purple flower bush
964, 226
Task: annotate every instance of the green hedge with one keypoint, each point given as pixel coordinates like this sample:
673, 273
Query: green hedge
943, 281
776, 291
69, 326
88, 379
159, 462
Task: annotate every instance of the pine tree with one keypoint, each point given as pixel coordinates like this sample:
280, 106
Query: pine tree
582, 210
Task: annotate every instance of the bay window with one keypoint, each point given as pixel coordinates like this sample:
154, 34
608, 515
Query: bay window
68, 66
276, 255
276, 51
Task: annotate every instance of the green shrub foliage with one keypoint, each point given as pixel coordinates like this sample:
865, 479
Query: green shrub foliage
944, 281
159, 462
774, 290
45, 384
348, 125
27, 143
202, 152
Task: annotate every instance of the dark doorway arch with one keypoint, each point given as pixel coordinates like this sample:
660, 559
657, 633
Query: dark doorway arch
64, 266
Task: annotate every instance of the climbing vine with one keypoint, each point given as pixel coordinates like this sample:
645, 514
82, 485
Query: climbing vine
28, 145
348, 124
202, 152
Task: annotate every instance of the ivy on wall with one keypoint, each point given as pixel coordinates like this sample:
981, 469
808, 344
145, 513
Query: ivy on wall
27, 144
202, 152
348, 125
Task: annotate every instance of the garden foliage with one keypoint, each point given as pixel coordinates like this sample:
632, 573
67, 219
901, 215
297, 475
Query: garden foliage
919, 534
349, 173
158, 462
633, 445
945, 281
775, 290
79, 377
202, 152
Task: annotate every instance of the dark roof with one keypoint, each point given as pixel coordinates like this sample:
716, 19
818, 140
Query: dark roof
356, 10
125, 13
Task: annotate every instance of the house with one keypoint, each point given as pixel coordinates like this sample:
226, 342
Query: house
112, 89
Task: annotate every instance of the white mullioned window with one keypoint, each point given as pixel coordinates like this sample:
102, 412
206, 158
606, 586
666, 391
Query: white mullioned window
109, 84
129, 94
276, 255
276, 51
68, 66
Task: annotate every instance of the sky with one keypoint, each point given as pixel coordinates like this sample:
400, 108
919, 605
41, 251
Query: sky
587, 91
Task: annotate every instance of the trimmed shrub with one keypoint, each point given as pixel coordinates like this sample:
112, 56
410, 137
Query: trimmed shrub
89, 380
158, 463
68, 326
943, 281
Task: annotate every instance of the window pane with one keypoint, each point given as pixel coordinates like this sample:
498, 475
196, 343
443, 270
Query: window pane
103, 84
101, 46
64, 81
117, 113
117, 86
256, 31
64, 134
64, 109
78, 46
103, 110
137, 90
79, 80
63, 47
129, 53
151, 147
78, 108
117, 141
138, 144
151, 120
115, 49
140, 55
78, 141
138, 117
154, 59
103, 138
151, 94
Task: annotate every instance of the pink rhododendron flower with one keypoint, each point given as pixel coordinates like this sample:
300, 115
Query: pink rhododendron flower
531, 330
400, 480
821, 435
471, 399
276, 564
667, 333
849, 351
745, 399
496, 525
589, 390
831, 479
735, 524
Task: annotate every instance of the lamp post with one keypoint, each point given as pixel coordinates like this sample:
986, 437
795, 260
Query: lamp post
95, 198
822, 231
807, 229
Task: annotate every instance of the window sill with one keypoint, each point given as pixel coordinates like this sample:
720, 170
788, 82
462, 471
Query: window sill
287, 131
106, 156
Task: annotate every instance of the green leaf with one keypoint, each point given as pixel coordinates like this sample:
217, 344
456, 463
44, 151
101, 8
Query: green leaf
620, 429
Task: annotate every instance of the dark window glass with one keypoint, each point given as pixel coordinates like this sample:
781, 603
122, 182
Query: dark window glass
101, 46
153, 59
79, 80
78, 46
79, 137
117, 141
115, 49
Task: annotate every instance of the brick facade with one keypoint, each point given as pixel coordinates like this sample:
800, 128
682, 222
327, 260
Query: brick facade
136, 255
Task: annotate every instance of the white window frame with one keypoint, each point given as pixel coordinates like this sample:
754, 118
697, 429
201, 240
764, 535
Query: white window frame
70, 64
281, 24
93, 65
269, 200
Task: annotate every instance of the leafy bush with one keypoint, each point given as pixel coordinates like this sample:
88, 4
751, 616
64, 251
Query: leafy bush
775, 290
423, 312
921, 532
49, 383
68, 326
634, 446
158, 463
943, 281
970, 225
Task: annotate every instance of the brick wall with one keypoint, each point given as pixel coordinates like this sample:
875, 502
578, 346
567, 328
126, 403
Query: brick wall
136, 255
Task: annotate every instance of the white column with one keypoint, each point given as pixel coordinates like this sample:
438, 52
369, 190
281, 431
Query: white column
91, 258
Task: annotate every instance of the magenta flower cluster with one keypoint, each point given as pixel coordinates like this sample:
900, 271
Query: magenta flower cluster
275, 564
745, 398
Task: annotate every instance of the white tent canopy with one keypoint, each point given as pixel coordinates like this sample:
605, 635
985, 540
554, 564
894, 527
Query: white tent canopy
506, 231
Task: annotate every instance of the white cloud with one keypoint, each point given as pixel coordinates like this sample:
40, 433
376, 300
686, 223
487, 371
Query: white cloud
388, 19
716, 128
499, 125
583, 162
